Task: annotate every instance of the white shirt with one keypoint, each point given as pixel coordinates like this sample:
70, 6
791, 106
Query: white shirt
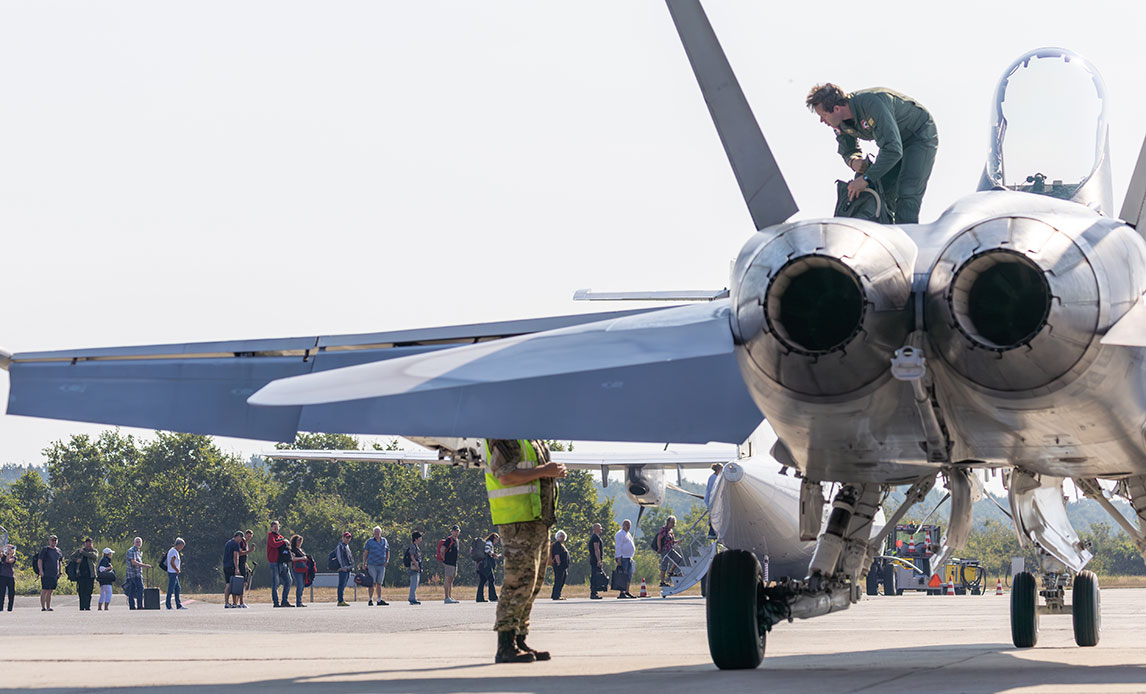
172, 560
624, 544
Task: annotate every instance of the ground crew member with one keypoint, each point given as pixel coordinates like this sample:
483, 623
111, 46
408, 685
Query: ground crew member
901, 128
522, 489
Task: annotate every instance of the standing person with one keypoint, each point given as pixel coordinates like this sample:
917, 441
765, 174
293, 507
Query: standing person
486, 567
174, 568
413, 562
86, 559
278, 557
596, 562
105, 575
903, 131
246, 569
450, 562
48, 563
665, 541
133, 575
374, 559
300, 564
708, 489
231, 552
559, 556
625, 550
8, 575
521, 484
345, 568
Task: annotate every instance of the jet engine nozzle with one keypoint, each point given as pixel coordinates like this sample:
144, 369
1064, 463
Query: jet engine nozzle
1012, 303
821, 305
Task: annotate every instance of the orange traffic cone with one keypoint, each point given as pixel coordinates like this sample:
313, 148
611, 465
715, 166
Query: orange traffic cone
950, 587
999, 587
644, 590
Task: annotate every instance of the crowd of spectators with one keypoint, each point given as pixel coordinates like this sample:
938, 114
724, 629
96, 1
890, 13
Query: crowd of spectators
291, 565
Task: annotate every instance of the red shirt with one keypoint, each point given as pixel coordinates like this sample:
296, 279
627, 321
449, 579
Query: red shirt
274, 541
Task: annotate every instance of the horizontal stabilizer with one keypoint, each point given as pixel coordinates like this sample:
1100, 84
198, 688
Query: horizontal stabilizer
661, 295
202, 388
668, 376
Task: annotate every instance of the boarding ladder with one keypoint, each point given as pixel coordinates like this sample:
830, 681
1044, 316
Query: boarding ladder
694, 553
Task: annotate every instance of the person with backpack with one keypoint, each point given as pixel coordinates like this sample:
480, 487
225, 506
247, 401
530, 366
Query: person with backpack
486, 558
173, 564
246, 569
663, 543
374, 559
84, 562
345, 567
300, 563
278, 556
105, 576
448, 555
47, 565
597, 579
413, 563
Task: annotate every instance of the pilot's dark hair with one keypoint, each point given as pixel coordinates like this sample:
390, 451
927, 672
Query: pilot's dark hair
827, 96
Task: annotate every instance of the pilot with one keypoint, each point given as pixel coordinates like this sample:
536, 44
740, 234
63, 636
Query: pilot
902, 130
521, 484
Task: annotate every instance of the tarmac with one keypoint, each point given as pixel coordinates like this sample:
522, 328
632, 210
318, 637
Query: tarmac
911, 643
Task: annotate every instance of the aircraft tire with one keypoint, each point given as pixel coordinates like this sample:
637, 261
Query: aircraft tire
1024, 610
889, 580
735, 640
873, 578
1086, 609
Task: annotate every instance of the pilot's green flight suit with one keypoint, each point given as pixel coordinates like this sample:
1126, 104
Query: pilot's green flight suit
907, 141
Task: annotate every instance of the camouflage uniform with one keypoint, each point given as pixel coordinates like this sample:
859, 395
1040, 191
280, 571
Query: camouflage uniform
524, 545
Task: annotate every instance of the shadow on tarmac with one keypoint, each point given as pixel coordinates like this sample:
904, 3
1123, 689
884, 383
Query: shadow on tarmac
986, 668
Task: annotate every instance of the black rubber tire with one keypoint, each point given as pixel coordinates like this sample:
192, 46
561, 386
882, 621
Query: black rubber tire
889, 587
873, 576
1086, 608
735, 640
1024, 610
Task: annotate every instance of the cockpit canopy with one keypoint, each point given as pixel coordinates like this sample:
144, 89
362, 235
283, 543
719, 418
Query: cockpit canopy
1049, 135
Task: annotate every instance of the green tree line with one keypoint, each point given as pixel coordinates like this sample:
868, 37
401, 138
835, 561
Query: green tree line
115, 486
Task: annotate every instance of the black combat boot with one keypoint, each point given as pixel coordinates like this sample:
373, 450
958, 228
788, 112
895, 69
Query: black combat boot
538, 655
507, 651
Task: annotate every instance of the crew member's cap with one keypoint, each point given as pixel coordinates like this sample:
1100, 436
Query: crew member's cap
108, 550
455, 526
346, 534
87, 539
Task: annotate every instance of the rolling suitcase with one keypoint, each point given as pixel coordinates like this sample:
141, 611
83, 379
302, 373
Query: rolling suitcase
151, 598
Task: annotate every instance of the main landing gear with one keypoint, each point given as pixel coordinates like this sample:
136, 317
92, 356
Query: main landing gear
742, 608
1085, 608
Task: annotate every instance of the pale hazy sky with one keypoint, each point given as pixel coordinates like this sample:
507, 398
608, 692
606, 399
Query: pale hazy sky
179, 171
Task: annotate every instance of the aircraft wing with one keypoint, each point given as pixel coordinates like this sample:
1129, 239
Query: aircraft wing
572, 460
668, 376
203, 387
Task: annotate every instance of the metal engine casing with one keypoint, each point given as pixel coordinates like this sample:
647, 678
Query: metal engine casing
877, 259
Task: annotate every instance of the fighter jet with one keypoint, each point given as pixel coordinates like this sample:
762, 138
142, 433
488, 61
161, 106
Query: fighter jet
1009, 333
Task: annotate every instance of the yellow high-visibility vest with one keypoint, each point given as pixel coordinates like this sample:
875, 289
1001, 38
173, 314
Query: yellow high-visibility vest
515, 504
